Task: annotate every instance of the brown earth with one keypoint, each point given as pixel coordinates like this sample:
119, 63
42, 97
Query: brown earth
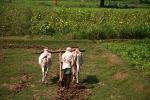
142, 88
16, 87
111, 59
11, 45
120, 75
1, 55
138, 87
76, 92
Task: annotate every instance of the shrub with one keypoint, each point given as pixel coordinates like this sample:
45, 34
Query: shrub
87, 23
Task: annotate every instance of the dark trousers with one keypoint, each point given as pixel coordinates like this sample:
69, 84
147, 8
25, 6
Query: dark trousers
66, 80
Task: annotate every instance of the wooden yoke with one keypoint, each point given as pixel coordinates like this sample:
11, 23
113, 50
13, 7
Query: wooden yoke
58, 51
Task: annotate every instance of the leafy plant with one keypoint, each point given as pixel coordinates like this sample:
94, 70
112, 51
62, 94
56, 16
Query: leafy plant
137, 53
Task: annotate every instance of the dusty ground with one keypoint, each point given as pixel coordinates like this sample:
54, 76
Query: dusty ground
18, 86
120, 75
75, 92
1, 55
112, 59
138, 87
11, 45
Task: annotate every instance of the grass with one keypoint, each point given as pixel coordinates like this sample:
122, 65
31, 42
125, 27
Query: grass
112, 70
100, 72
74, 22
134, 53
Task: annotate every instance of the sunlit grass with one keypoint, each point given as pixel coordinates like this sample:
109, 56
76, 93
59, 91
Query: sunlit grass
97, 72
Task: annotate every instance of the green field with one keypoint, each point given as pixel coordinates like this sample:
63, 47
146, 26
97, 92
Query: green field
34, 18
116, 39
135, 52
107, 75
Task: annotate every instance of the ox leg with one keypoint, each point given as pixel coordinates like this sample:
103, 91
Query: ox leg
73, 74
45, 73
42, 77
42, 73
77, 72
77, 78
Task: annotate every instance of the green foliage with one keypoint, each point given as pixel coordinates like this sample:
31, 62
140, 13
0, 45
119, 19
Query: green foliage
137, 53
15, 21
145, 1
77, 23
1, 3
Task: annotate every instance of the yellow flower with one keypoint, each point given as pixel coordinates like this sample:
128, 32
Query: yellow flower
121, 22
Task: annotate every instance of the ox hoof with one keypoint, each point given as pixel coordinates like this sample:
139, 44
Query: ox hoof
62, 89
46, 82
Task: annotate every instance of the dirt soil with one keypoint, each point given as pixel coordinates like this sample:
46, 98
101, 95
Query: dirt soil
10, 45
18, 86
120, 75
112, 59
138, 87
75, 92
1, 55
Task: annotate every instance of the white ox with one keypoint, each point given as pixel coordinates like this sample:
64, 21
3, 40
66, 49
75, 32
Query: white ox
45, 62
78, 61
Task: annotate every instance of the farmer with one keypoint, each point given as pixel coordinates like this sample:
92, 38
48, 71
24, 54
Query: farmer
45, 61
66, 64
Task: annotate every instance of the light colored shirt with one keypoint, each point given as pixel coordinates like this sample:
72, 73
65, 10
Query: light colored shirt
67, 60
43, 55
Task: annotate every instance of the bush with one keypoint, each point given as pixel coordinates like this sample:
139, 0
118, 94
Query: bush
145, 1
136, 53
86, 23
15, 21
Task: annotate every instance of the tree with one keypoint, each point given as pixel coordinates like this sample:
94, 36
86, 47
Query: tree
102, 3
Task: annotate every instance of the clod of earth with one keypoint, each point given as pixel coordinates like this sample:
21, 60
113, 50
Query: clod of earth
138, 87
112, 59
16, 87
120, 75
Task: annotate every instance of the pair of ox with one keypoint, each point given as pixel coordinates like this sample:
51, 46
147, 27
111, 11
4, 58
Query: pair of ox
45, 61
